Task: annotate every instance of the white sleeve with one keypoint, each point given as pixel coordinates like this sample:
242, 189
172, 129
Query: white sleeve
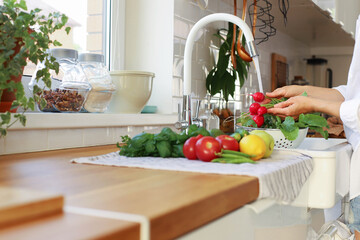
341, 89
350, 114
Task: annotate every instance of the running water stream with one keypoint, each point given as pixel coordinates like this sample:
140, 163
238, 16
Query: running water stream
258, 74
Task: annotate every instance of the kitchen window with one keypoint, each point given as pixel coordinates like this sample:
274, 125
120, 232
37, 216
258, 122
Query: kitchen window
88, 20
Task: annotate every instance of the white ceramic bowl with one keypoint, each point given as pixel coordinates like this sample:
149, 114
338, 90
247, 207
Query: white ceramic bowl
133, 90
280, 140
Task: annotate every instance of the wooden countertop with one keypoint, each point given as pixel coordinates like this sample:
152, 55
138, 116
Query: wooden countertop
173, 202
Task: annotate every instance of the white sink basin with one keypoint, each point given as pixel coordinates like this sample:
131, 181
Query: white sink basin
330, 176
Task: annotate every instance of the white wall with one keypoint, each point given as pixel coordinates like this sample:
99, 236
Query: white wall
155, 36
148, 32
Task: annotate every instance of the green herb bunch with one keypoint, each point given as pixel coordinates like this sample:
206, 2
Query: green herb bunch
31, 31
223, 76
165, 144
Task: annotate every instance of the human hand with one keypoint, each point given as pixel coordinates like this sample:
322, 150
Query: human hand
287, 91
293, 107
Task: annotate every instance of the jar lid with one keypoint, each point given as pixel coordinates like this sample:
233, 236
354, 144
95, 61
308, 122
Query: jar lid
127, 73
91, 57
63, 53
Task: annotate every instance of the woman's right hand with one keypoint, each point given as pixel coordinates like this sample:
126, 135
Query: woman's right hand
287, 91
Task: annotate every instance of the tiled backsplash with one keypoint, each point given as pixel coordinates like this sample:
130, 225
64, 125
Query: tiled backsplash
49, 139
49, 131
187, 13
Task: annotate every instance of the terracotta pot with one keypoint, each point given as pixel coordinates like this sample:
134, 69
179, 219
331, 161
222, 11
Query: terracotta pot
226, 117
7, 97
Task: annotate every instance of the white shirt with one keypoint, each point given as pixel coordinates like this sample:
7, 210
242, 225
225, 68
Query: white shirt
350, 114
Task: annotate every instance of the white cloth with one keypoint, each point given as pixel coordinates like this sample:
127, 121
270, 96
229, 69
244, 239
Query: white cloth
281, 177
350, 113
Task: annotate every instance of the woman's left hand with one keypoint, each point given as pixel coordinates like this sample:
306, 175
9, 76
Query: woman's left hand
293, 107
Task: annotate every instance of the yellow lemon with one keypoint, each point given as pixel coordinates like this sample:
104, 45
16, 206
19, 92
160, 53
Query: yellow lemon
268, 139
253, 145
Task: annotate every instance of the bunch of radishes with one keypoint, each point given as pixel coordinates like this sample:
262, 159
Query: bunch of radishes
256, 110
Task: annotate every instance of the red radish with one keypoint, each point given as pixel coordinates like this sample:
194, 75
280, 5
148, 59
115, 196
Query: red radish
258, 97
261, 111
254, 108
259, 120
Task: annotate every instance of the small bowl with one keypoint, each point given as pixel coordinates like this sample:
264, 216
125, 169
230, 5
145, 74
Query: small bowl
280, 140
133, 90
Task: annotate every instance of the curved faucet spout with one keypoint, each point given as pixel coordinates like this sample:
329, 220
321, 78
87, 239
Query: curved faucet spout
186, 119
200, 24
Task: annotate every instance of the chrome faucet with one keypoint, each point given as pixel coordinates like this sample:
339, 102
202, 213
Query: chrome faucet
186, 115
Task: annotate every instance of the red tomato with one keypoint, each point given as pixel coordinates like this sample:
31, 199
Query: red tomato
228, 142
206, 148
189, 147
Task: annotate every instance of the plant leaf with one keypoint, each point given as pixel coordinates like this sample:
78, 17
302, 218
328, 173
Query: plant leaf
313, 120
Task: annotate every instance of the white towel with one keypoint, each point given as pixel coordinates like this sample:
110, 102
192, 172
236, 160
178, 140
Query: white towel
281, 177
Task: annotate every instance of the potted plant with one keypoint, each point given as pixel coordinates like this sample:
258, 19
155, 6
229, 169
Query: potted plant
25, 35
223, 76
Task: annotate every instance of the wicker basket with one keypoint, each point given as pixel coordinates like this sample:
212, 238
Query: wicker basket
280, 140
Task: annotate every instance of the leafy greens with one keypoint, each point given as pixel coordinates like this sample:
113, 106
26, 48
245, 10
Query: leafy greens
165, 144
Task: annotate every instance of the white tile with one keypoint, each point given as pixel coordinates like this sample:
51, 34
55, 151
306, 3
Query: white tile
26, 141
175, 102
179, 7
178, 67
197, 71
2, 145
181, 86
202, 53
118, 132
65, 138
182, 45
137, 130
226, 6
200, 36
201, 88
130, 131
97, 136
152, 129
212, 6
176, 86
181, 28
177, 46
192, 13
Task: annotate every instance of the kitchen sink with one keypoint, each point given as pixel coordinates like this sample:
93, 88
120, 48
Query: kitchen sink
330, 177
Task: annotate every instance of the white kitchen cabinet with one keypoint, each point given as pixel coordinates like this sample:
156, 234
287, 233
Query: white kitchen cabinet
309, 24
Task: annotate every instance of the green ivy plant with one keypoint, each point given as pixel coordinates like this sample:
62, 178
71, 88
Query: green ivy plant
31, 30
222, 78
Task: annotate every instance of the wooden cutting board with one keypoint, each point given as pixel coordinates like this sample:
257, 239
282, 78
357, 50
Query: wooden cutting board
18, 204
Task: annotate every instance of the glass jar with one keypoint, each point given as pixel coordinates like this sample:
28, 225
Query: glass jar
102, 87
69, 88
208, 119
